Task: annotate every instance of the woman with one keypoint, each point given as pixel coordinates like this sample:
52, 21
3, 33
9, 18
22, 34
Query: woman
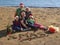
23, 21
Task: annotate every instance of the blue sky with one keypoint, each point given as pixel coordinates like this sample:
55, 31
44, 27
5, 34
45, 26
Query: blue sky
38, 3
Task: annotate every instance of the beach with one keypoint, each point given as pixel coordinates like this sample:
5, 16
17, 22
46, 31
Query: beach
45, 16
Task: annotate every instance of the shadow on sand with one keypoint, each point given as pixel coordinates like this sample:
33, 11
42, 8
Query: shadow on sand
48, 32
3, 33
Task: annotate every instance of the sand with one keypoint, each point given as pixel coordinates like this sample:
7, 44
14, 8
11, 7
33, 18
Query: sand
45, 16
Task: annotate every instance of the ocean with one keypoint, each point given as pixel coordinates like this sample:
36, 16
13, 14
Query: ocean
33, 3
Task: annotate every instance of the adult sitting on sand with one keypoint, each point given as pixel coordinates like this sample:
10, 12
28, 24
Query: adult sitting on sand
18, 11
23, 21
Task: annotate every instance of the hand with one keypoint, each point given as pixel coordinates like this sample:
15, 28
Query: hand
21, 29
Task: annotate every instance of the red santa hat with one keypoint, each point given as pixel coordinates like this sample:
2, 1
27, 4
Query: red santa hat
21, 3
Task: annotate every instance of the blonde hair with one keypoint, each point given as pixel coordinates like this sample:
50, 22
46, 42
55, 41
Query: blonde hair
28, 8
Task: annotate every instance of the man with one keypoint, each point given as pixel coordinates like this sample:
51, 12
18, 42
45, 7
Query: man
18, 11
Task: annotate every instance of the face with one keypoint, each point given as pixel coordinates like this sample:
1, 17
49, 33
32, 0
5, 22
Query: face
21, 6
23, 14
27, 9
31, 17
16, 19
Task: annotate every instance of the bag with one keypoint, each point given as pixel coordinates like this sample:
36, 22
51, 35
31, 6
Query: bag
53, 29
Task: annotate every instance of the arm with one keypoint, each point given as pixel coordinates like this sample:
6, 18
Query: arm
35, 20
22, 22
14, 22
15, 14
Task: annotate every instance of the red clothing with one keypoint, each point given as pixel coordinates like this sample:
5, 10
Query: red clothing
52, 30
16, 23
39, 26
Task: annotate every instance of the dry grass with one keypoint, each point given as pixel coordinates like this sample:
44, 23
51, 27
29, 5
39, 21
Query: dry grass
45, 16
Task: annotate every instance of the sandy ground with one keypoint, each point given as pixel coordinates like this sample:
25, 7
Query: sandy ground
45, 16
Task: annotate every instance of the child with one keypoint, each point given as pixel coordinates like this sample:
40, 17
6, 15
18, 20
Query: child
16, 24
28, 12
33, 24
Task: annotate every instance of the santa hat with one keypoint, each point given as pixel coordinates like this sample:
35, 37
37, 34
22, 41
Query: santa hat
21, 3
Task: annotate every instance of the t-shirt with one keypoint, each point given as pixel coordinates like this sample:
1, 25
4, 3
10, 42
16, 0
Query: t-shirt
30, 21
18, 11
24, 21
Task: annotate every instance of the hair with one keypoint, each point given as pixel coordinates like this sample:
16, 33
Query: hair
16, 17
22, 11
28, 8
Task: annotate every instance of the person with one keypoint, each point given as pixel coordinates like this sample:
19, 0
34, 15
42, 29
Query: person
28, 12
23, 21
16, 24
31, 23
18, 11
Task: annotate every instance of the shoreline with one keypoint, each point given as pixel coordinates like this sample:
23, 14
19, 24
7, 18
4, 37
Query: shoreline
31, 6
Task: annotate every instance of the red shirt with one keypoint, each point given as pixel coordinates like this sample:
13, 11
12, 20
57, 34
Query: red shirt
16, 23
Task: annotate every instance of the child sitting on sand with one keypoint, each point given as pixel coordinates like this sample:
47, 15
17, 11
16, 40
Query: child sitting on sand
31, 23
16, 24
28, 12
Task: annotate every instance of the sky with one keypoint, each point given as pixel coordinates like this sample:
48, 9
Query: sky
37, 3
